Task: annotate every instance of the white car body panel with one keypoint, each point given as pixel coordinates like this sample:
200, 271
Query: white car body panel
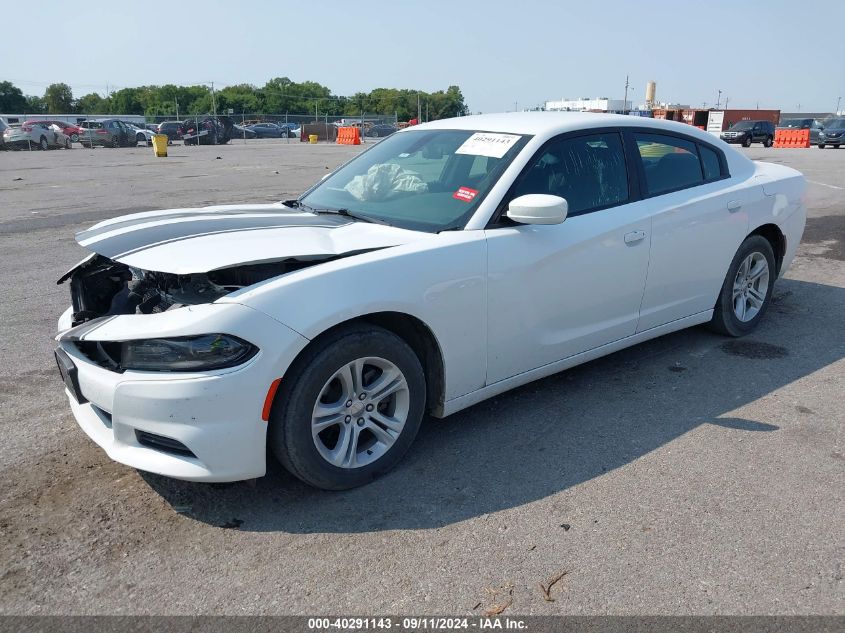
585, 289
505, 304
184, 241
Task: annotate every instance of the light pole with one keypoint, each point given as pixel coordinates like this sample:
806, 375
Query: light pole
838, 101
718, 99
625, 99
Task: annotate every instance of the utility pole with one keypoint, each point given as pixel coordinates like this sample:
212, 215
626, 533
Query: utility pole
718, 99
625, 100
213, 103
726, 103
838, 101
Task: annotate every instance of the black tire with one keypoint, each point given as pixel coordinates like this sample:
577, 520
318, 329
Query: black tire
747, 142
768, 142
289, 435
74, 138
821, 145
67, 144
140, 138
43, 145
115, 141
725, 320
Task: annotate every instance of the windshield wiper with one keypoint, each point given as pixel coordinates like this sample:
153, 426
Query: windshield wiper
328, 211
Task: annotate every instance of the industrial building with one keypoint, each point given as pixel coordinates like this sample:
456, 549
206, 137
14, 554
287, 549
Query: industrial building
712, 119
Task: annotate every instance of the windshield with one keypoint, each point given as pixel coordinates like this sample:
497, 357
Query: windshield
835, 124
742, 125
800, 123
426, 180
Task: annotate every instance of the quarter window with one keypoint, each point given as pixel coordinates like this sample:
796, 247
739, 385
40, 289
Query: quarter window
710, 162
589, 171
669, 163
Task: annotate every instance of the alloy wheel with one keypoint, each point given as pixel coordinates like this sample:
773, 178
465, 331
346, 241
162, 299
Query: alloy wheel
750, 287
360, 412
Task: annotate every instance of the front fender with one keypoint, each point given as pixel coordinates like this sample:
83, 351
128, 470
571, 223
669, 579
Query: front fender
440, 281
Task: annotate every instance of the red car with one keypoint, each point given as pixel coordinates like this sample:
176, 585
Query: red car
73, 131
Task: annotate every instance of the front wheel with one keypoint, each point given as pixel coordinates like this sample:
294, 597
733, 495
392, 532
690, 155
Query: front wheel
350, 409
747, 289
768, 142
747, 142
43, 145
821, 146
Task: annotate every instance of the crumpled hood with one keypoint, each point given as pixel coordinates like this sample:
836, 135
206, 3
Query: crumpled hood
185, 241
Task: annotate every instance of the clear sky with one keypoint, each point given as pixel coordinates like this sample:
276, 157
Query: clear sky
767, 52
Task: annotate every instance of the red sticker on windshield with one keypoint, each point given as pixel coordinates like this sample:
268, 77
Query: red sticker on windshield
465, 193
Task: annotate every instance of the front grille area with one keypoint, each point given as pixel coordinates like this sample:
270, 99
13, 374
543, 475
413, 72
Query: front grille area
163, 444
106, 355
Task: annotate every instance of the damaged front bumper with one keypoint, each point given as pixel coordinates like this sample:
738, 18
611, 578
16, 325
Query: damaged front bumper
202, 426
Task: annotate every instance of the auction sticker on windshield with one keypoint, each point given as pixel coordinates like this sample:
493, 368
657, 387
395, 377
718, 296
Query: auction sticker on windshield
488, 144
465, 193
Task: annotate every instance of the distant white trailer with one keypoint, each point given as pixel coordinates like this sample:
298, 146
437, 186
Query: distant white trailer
17, 119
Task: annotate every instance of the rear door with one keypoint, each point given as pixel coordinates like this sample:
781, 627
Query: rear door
555, 291
698, 222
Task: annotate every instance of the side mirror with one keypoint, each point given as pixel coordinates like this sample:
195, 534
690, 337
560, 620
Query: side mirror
538, 208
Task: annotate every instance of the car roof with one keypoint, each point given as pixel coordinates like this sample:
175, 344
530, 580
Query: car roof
553, 123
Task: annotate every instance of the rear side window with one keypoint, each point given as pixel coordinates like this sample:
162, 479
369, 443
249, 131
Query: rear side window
589, 171
710, 163
669, 163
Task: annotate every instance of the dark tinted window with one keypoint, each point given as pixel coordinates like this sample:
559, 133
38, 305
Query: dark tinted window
589, 171
669, 162
710, 162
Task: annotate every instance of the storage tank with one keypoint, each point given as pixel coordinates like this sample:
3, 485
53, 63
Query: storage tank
650, 90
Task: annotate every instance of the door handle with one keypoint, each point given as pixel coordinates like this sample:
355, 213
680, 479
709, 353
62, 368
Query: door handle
634, 236
734, 205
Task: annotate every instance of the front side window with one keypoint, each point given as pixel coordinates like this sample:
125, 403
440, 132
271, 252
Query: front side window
669, 163
588, 171
427, 180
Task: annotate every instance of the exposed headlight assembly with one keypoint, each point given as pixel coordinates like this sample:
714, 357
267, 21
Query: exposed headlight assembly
185, 353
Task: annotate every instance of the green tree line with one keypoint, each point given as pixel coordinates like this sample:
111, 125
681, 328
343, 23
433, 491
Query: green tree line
278, 96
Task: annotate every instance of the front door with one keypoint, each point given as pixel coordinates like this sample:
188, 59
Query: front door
555, 291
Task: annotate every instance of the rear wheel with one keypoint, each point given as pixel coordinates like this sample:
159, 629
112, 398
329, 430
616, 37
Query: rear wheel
74, 138
350, 409
747, 289
43, 145
768, 142
115, 141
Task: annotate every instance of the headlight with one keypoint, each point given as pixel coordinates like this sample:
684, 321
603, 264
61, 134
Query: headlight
186, 353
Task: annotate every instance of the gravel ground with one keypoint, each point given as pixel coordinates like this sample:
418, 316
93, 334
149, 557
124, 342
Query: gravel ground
690, 474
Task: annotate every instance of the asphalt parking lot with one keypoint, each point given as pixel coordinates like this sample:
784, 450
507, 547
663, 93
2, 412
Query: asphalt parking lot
690, 474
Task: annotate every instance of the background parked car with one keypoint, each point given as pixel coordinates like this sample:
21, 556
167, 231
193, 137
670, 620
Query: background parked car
267, 130
142, 134
37, 135
3, 126
816, 136
73, 131
834, 133
747, 132
379, 130
106, 132
239, 131
173, 129
206, 130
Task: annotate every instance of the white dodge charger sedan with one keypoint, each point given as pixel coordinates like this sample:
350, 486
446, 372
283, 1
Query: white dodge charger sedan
450, 262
